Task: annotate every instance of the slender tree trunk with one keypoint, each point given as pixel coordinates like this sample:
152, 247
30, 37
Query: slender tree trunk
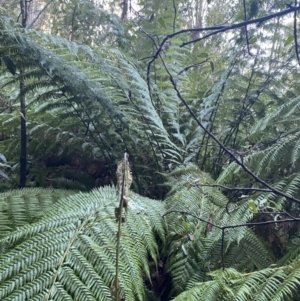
198, 18
23, 154
124, 5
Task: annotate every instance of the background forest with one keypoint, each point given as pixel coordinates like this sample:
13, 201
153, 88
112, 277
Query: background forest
203, 96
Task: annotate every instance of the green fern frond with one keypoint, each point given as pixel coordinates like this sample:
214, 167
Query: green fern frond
250, 253
289, 108
209, 290
274, 283
25, 206
70, 252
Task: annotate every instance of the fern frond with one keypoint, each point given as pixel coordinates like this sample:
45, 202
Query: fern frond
25, 206
273, 283
70, 251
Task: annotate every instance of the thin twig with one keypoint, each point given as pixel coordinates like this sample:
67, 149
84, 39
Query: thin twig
218, 29
214, 114
222, 249
175, 14
238, 160
234, 188
280, 221
192, 66
224, 28
223, 228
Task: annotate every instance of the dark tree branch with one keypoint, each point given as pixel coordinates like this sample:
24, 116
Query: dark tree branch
222, 248
218, 29
224, 28
23, 124
192, 66
150, 94
246, 109
213, 116
243, 112
23, 153
72, 26
280, 221
223, 228
23, 6
237, 159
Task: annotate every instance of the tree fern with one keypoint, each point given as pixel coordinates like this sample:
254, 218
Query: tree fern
100, 90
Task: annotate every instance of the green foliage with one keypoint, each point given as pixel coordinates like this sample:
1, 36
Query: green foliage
87, 22
92, 101
276, 159
69, 253
273, 283
193, 251
88, 100
3, 165
23, 207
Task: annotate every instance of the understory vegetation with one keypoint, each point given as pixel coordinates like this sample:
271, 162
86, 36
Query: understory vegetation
203, 96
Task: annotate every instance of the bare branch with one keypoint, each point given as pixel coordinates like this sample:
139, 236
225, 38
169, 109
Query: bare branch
235, 188
224, 28
175, 14
223, 228
218, 29
246, 29
192, 66
280, 221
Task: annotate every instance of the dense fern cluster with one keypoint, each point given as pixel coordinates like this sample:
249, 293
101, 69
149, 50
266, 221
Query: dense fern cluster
194, 249
101, 85
66, 250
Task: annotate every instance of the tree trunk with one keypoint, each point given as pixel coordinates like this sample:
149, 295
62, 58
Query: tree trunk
198, 18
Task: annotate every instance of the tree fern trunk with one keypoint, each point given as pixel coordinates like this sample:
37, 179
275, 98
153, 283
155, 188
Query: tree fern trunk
23, 154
